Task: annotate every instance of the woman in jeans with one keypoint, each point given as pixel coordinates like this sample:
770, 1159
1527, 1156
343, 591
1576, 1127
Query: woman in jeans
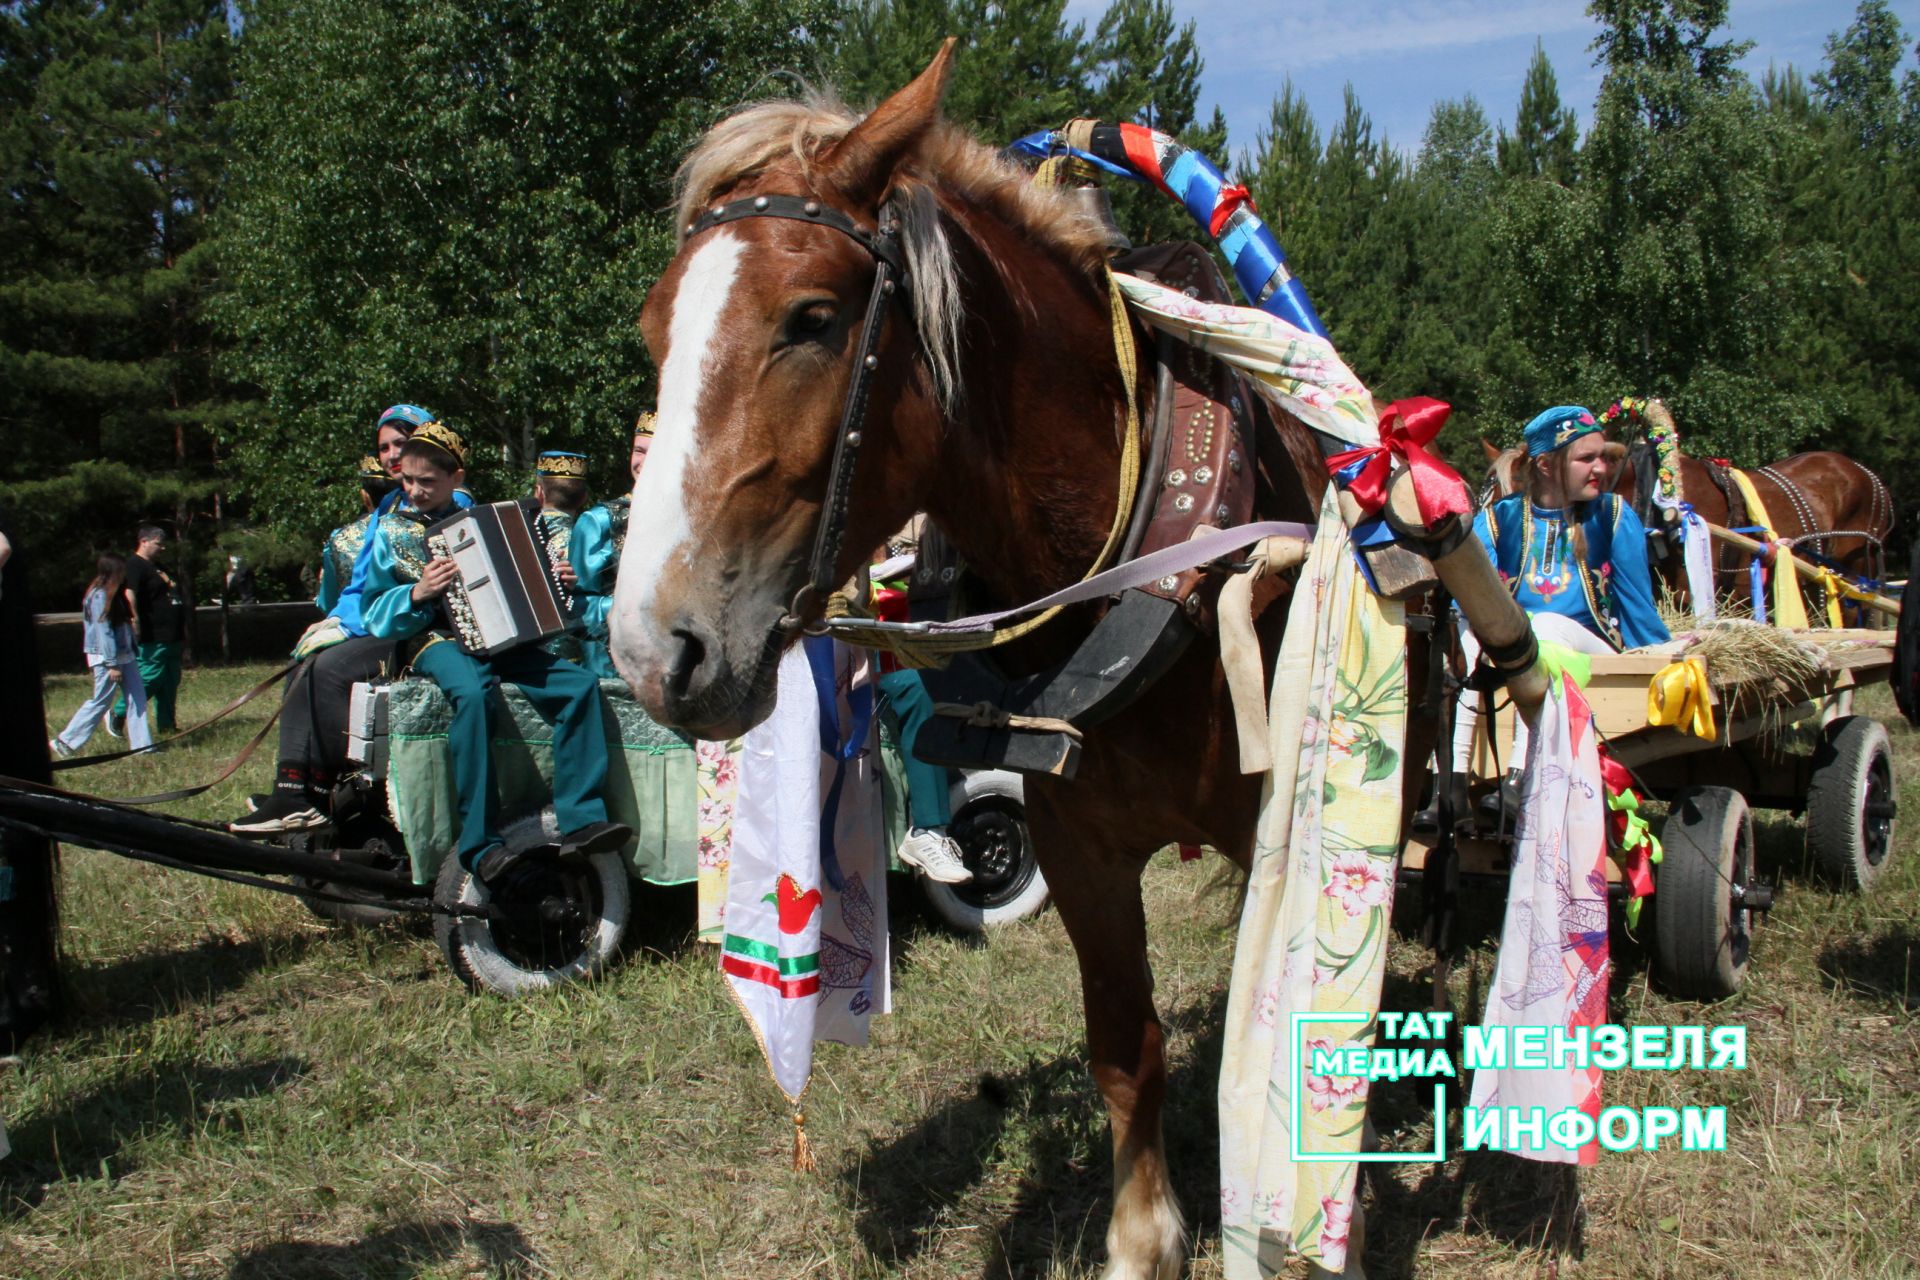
110, 653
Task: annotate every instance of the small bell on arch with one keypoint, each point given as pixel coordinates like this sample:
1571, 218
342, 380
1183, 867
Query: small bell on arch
1093, 201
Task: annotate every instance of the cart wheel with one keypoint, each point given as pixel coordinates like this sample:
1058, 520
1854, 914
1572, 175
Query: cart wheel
562, 922
1702, 925
374, 844
1851, 802
990, 825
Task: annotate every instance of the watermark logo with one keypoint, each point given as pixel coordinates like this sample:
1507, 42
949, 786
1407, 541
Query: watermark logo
1328, 1073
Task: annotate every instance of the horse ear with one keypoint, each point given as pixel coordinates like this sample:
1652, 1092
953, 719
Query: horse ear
1487, 447
862, 163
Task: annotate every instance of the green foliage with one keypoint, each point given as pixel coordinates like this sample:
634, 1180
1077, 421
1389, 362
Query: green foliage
1856, 86
461, 206
111, 157
1656, 271
1020, 65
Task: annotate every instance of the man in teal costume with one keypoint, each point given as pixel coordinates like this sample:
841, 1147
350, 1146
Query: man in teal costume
401, 602
599, 536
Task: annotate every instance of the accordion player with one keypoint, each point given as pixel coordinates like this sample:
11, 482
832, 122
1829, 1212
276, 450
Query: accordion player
506, 595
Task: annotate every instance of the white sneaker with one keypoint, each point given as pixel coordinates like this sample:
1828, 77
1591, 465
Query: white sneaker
933, 853
60, 749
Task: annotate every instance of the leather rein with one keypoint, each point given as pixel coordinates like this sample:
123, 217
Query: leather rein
889, 273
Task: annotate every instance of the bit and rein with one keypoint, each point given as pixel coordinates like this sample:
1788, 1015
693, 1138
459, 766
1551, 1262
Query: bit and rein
883, 244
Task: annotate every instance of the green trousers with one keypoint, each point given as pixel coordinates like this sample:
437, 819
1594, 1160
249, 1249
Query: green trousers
562, 692
160, 672
927, 801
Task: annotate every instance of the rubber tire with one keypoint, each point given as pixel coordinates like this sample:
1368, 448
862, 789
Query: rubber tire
390, 855
990, 823
477, 957
1852, 769
1708, 839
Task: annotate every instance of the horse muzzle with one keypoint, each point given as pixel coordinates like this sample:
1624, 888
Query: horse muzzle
691, 674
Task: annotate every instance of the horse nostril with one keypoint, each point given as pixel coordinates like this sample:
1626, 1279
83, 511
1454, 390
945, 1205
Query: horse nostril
688, 653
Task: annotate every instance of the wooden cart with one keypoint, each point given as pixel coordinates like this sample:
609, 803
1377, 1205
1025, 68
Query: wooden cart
1794, 746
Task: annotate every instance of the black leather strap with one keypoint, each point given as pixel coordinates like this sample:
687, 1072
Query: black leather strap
880, 243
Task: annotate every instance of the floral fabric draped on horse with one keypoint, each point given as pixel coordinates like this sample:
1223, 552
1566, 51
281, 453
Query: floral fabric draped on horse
1313, 933
1299, 371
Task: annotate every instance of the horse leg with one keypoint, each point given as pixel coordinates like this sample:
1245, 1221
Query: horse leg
1099, 902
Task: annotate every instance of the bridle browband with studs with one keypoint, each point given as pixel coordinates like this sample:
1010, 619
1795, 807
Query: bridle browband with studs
889, 271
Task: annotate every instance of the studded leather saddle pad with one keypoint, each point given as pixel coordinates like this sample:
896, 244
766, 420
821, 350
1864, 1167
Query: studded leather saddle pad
1208, 428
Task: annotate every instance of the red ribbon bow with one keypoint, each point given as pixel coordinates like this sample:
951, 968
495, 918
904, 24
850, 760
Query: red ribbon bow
1406, 427
1230, 198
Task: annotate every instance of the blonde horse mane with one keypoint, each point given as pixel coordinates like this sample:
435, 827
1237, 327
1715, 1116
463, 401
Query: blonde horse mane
764, 134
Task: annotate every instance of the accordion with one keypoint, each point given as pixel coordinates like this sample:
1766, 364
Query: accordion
506, 594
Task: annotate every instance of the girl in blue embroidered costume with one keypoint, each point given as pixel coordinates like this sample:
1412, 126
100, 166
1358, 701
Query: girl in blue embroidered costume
1575, 557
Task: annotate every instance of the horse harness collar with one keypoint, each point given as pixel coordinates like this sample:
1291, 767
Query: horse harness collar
889, 273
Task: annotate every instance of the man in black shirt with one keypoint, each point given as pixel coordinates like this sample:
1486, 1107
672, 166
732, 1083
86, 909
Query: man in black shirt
161, 606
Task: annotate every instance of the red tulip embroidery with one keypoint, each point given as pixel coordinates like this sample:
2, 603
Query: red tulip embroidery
795, 908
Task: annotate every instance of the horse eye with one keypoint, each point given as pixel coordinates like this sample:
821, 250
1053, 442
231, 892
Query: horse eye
810, 320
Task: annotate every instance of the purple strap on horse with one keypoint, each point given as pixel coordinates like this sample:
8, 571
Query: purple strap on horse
1134, 573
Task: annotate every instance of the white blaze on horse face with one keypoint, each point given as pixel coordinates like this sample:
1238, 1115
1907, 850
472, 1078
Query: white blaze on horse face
658, 528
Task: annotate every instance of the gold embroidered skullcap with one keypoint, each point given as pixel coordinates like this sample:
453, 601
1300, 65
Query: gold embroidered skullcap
444, 438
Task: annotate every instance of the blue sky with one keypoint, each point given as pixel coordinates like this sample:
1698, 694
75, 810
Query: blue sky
1402, 56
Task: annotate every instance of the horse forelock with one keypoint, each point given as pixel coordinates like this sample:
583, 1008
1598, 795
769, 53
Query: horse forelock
800, 133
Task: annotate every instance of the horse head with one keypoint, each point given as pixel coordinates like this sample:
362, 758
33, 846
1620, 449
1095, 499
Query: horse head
757, 325
753, 326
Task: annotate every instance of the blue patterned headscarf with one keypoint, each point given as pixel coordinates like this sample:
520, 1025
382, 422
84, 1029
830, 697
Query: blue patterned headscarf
408, 417
1558, 426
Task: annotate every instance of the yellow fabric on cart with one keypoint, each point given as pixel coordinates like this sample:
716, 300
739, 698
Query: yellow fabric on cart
1679, 695
1789, 609
1831, 584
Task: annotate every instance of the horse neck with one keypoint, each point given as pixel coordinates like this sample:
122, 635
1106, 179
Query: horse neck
1028, 473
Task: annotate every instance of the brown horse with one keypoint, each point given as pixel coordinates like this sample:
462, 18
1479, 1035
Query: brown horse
996, 409
1806, 495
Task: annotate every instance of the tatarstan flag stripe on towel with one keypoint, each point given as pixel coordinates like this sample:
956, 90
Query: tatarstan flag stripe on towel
803, 943
758, 962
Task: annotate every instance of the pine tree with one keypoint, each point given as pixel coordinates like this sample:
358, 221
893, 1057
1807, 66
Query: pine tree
1546, 136
1856, 204
1282, 172
1020, 65
112, 156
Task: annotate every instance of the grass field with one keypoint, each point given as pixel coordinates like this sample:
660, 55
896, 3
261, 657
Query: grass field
240, 1091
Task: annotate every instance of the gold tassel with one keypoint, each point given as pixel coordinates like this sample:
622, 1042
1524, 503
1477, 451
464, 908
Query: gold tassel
803, 1161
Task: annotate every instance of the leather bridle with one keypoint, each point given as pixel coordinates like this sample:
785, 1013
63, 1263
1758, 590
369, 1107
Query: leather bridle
889, 272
